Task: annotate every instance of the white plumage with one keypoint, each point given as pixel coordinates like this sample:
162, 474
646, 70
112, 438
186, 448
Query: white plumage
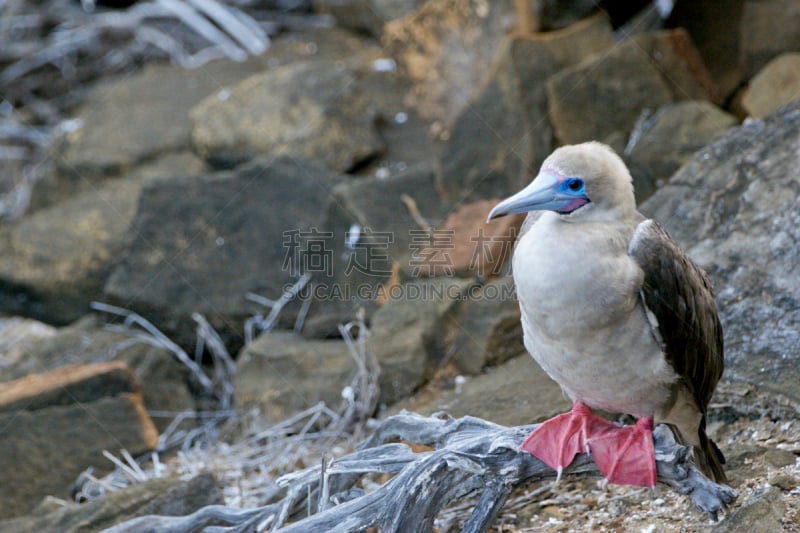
612, 309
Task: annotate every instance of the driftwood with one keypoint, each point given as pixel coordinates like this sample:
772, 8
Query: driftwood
469, 456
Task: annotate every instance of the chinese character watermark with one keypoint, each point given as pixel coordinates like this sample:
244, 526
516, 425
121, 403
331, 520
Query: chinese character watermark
369, 253
430, 255
308, 251
489, 251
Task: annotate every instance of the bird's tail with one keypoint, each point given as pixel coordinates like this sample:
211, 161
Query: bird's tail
709, 456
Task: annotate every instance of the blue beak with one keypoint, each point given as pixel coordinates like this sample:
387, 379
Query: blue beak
548, 192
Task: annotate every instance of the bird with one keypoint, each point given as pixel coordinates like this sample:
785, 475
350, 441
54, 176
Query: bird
617, 314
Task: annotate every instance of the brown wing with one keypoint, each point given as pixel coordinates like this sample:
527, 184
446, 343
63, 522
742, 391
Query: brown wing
679, 294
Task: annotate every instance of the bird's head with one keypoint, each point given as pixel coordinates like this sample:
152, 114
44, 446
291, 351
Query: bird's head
585, 181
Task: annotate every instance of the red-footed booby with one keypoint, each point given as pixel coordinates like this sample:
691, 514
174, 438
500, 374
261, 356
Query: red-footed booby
617, 314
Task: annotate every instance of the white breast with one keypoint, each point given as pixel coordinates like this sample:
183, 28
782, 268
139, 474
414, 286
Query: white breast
582, 318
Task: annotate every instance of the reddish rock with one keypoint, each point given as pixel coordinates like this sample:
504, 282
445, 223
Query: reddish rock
466, 245
163, 379
56, 425
67, 385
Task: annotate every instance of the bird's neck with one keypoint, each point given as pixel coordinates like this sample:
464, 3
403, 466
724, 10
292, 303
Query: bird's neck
591, 230
619, 214
575, 265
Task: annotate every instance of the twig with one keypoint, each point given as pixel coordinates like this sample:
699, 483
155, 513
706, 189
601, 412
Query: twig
258, 322
257, 459
249, 35
224, 367
11, 130
156, 338
14, 203
204, 27
135, 474
325, 494
219, 388
302, 314
471, 456
413, 210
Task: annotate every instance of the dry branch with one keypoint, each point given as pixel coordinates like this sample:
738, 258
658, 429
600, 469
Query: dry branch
53, 51
154, 337
258, 324
470, 457
247, 469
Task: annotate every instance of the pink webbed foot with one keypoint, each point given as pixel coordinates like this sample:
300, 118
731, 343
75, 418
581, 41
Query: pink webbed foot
625, 455
557, 441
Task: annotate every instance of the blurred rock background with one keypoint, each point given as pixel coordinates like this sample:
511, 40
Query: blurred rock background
234, 181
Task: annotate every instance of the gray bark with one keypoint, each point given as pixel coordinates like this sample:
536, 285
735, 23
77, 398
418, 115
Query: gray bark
469, 456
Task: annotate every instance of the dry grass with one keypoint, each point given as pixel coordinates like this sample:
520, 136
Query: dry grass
248, 467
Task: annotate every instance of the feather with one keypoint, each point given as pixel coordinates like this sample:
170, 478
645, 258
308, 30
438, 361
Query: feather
679, 296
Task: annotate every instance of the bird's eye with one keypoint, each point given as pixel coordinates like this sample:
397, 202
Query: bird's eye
575, 184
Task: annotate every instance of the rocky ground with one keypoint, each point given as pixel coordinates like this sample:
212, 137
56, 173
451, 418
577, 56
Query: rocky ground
229, 218
762, 465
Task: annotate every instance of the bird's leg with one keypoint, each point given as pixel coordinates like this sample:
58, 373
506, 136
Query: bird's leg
557, 441
625, 455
